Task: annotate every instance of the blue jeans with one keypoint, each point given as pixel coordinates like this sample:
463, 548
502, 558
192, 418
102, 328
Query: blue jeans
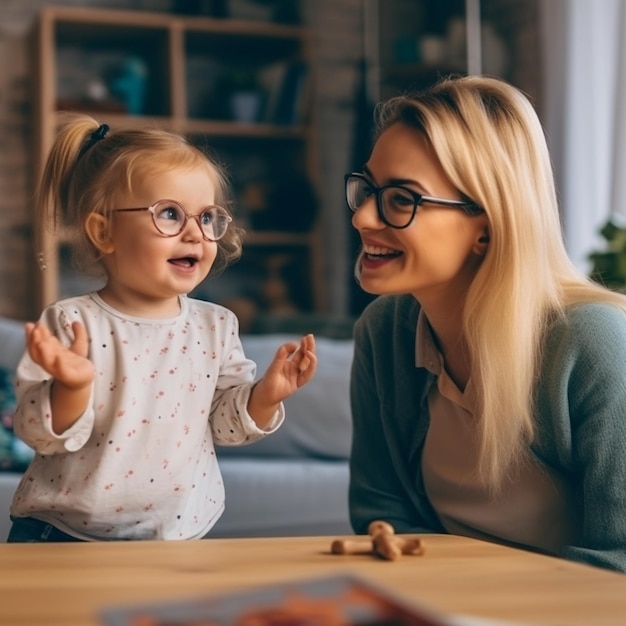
31, 530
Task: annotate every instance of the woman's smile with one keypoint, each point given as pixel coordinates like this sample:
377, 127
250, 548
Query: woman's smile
376, 255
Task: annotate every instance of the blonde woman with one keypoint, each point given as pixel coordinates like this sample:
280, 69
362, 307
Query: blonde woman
489, 378
123, 392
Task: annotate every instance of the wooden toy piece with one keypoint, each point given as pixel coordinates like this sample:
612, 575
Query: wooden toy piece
383, 542
411, 546
385, 546
380, 526
392, 547
388, 545
351, 546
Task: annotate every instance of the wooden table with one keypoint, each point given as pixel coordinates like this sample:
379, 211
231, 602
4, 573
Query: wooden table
67, 584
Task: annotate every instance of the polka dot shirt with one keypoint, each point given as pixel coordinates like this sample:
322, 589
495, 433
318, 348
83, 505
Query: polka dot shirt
140, 462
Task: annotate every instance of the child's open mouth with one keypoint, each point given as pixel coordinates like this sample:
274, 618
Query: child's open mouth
186, 261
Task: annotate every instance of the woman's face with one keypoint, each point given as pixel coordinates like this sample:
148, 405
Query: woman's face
438, 254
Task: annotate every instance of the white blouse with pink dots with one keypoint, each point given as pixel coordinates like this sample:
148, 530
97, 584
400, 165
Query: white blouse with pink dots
140, 462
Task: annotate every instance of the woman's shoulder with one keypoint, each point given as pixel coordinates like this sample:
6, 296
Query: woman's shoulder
590, 327
389, 315
592, 317
390, 306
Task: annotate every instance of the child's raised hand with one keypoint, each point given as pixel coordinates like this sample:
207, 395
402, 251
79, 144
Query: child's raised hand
68, 365
293, 366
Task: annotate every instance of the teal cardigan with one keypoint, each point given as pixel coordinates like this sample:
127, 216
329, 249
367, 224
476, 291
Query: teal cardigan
580, 423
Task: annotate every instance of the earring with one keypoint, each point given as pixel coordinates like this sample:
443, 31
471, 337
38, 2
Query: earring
42, 262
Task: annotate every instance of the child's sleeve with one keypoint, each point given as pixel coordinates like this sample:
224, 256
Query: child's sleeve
33, 415
231, 424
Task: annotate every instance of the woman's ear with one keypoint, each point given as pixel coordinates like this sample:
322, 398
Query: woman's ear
482, 243
97, 229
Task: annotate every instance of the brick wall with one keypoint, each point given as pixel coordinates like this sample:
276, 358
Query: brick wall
338, 45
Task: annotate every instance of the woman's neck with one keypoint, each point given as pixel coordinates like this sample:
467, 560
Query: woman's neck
447, 332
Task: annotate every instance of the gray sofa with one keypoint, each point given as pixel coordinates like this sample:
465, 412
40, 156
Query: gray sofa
292, 483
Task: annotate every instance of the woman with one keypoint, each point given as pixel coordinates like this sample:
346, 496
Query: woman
489, 382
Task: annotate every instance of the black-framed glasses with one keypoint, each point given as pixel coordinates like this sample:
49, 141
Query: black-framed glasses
396, 204
170, 219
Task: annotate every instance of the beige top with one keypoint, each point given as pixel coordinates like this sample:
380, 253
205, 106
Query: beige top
533, 511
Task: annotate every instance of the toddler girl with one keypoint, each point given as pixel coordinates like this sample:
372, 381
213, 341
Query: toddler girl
123, 392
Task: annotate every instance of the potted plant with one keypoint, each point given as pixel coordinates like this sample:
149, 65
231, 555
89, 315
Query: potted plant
609, 266
244, 94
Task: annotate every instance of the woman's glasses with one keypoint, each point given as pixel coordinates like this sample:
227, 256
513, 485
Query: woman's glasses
170, 219
396, 205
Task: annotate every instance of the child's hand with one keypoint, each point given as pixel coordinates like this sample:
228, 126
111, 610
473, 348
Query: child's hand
67, 365
293, 366
70, 368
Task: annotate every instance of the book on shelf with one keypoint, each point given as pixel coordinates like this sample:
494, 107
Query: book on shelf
288, 90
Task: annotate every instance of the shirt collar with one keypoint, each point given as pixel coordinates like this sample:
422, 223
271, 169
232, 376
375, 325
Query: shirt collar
426, 353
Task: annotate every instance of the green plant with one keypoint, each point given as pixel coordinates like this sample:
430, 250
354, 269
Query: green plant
609, 266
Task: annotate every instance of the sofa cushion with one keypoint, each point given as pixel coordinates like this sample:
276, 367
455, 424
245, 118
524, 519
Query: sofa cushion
318, 422
12, 341
284, 497
15, 455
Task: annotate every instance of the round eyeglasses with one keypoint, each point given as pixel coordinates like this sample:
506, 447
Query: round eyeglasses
170, 219
396, 204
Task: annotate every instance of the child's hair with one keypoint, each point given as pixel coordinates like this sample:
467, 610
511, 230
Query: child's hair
89, 168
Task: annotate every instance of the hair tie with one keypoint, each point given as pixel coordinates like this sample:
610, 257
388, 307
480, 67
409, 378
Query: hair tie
100, 132
94, 137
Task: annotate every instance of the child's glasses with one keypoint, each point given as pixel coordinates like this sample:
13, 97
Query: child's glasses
170, 219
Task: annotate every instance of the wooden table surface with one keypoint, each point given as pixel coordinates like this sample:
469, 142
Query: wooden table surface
67, 584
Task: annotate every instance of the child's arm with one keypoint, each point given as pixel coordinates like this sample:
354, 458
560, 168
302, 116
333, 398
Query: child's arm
292, 367
70, 368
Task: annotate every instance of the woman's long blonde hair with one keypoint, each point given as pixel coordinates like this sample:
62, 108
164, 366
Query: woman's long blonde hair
491, 145
85, 174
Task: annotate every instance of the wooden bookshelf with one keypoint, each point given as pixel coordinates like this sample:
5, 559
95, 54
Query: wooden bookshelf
185, 58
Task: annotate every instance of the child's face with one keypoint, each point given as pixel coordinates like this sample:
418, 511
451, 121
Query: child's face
147, 270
